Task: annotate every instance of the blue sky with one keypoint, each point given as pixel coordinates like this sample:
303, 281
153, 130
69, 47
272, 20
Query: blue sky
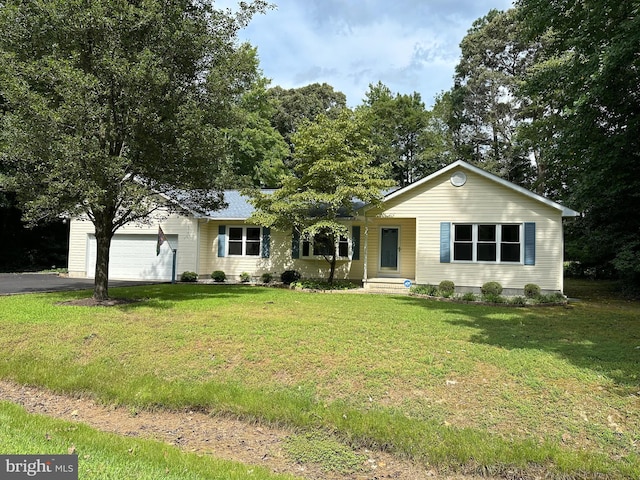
409, 45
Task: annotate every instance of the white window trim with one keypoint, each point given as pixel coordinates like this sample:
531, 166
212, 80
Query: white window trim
244, 241
311, 256
474, 242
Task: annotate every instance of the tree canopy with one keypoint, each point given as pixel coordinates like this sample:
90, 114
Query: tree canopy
406, 137
589, 78
108, 102
333, 176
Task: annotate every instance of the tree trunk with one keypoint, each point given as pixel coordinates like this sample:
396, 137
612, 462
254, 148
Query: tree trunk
332, 270
104, 233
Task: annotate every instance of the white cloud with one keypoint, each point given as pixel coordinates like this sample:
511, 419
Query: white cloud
409, 45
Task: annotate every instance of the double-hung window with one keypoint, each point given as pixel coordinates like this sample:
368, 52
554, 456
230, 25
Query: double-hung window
321, 246
487, 243
244, 241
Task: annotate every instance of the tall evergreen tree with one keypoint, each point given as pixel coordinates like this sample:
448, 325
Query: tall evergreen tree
488, 109
399, 128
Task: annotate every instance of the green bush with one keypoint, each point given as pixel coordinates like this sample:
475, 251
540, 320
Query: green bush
531, 290
493, 298
551, 298
469, 297
446, 288
245, 277
518, 300
188, 277
430, 290
266, 277
491, 288
324, 285
218, 276
290, 276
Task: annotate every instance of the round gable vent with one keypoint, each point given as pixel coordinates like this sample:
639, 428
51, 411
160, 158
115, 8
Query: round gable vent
458, 179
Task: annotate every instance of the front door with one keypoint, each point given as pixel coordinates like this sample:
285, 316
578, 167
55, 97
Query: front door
389, 249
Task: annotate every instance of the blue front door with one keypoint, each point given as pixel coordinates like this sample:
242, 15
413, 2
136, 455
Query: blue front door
389, 248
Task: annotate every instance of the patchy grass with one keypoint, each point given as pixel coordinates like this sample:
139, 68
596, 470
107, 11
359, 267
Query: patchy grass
465, 387
324, 451
107, 456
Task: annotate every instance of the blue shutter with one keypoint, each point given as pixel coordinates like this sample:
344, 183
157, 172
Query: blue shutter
295, 244
222, 240
355, 242
530, 243
445, 242
266, 242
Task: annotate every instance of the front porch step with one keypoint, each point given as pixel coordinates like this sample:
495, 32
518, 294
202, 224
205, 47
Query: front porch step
393, 286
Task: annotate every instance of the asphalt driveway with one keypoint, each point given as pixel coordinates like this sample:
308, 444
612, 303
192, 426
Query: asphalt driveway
11, 283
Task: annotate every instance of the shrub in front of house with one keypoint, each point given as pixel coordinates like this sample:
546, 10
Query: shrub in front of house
430, 290
531, 290
469, 297
551, 298
218, 276
491, 288
324, 285
245, 277
517, 300
493, 298
266, 277
446, 288
188, 277
290, 276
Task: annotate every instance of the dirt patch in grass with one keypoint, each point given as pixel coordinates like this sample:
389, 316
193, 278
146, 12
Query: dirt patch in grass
92, 302
222, 437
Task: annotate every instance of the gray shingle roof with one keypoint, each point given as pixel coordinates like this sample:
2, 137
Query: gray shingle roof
238, 207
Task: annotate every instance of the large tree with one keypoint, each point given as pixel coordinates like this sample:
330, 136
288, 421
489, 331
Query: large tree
333, 175
591, 76
109, 101
258, 151
400, 130
294, 106
486, 106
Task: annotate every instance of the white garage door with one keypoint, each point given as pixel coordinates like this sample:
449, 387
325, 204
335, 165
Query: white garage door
133, 257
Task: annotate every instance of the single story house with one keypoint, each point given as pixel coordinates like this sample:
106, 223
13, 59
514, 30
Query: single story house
460, 224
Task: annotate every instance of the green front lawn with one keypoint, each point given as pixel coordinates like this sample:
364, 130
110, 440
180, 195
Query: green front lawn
464, 387
106, 456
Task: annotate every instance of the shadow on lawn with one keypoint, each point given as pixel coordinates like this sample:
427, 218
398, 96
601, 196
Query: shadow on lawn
591, 336
165, 296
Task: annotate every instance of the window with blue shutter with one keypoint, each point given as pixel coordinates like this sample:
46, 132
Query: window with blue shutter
530, 243
445, 242
266, 242
355, 242
222, 240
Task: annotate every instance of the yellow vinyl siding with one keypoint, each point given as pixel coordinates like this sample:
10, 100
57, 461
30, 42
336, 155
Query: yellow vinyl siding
480, 200
279, 258
172, 224
407, 245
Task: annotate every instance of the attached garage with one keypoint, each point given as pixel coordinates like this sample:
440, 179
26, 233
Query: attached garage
133, 257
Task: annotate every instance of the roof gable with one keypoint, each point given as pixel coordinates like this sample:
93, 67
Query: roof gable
461, 165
